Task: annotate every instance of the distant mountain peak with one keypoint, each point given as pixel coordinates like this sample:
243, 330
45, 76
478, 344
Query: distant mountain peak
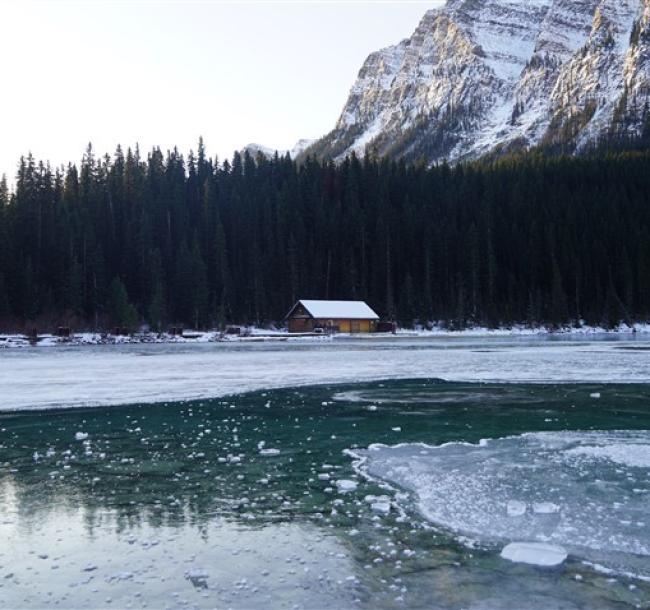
478, 76
255, 149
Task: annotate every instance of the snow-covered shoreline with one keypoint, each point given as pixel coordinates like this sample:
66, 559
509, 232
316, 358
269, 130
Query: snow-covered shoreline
255, 334
189, 337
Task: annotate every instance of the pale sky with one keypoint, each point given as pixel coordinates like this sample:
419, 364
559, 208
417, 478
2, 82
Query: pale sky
162, 72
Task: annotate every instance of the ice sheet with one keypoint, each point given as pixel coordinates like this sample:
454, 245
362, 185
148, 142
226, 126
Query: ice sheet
584, 491
33, 378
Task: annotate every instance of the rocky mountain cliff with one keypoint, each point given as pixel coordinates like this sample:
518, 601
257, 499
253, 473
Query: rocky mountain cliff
481, 76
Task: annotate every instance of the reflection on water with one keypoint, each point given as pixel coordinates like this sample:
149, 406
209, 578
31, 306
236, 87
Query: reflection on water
251, 502
69, 559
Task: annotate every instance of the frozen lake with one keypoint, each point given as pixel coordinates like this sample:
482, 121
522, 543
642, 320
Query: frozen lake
38, 378
334, 489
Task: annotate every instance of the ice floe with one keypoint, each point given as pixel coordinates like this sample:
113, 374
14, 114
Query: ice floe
381, 507
346, 485
515, 508
567, 489
270, 451
534, 553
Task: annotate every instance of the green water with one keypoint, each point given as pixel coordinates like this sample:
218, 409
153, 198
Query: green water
176, 505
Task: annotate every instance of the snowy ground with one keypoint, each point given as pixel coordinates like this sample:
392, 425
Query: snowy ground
255, 334
32, 378
89, 338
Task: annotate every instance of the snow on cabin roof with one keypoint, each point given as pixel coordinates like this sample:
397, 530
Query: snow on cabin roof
347, 310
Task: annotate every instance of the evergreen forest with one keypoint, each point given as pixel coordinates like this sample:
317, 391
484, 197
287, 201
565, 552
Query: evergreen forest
169, 239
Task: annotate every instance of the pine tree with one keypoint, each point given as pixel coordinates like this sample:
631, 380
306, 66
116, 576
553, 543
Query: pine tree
121, 312
519, 239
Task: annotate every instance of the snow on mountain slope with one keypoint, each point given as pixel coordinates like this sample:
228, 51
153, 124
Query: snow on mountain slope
255, 149
481, 75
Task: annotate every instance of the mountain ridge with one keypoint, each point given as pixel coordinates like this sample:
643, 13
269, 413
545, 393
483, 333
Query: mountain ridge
268, 152
478, 76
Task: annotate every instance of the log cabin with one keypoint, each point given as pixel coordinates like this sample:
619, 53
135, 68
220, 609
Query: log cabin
307, 316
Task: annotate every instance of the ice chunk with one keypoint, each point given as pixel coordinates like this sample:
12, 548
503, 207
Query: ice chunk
81, 436
345, 485
534, 553
269, 451
545, 508
594, 395
383, 508
198, 578
515, 508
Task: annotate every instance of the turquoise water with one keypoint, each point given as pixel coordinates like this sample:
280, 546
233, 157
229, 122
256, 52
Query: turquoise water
235, 502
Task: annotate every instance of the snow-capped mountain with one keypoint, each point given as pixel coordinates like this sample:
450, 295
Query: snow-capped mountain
484, 75
255, 149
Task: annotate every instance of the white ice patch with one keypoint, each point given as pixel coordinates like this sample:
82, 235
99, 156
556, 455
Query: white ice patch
545, 508
269, 452
383, 508
534, 553
130, 374
585, 491
635, 455
345, 485
515, 508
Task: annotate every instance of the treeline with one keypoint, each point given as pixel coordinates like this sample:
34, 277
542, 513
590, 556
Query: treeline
172, 240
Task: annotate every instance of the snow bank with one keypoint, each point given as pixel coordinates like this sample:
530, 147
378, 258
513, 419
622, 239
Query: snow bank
253, 334
519, 330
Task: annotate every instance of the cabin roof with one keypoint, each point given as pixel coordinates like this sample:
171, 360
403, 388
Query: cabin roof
345, 310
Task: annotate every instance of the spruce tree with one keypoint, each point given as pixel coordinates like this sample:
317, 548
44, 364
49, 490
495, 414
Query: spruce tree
519, 239
121, 312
